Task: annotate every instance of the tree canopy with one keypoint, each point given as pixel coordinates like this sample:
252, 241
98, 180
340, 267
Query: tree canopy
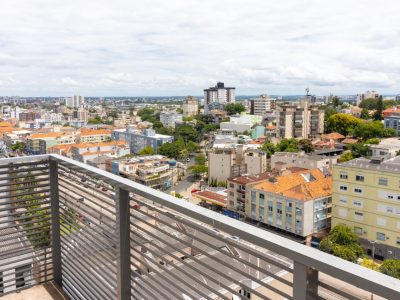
342, 242
342, 123
306, 145
234, 108
268, 148
146, 151
287, 145
391, 267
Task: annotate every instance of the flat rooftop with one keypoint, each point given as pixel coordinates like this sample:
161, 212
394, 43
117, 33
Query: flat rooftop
391, 165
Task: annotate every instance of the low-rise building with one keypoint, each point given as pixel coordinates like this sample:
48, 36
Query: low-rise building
155, 171
298, 203
86, 151
366, 195
241, 123
387, 148
95, 135
139, 139
286, 160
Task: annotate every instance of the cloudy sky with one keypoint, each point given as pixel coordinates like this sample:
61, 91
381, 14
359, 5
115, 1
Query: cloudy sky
180, 47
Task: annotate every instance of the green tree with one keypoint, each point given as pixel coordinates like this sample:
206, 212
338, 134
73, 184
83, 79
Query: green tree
342, 123
342, 242
369, 103
146, 151
96, 120
306, 145
359, 150
345, 157
391, 267
210, 127
336, 101
287, 145
379, 109
373, 141
329, 111
367, 130
187, 132
234, 108
18, 146
198, 170
200, 160
206, 119
389, 132
364, 114
268, 148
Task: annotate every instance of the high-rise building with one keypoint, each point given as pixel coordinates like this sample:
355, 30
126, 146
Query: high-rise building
299, 121
367, 95
262, 104
190, 106
75, 101
366, 197
218, 96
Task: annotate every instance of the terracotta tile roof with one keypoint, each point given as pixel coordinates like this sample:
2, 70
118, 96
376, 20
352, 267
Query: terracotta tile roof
213, 197
270, 127
5, 124
299, 186
88, 145
349, 141
62, 147
245, 179
45, 135
88, 132
96, 152
333, 136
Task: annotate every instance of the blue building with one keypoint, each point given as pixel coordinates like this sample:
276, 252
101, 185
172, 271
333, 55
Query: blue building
139, 139
393, 121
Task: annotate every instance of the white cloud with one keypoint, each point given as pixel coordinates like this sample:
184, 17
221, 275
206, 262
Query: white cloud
158, 47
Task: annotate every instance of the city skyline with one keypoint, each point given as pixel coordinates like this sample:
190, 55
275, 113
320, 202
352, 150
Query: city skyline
166, 49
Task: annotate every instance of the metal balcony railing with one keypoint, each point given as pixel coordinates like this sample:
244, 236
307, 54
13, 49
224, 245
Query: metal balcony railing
101, 236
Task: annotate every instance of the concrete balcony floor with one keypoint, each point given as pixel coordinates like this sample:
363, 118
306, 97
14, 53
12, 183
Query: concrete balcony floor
47, 291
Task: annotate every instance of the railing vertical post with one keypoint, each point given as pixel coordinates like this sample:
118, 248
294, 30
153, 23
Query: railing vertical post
123, 231
55, 223
305, 282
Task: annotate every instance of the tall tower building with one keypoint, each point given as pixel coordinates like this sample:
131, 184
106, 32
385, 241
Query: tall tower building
216, 97
190, 106
259, 106
75, 101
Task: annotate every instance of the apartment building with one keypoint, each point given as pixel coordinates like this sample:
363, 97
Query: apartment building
393, 121
95, 135
227, 162
190, 107
299, 121
139, 139
236, 190
366, 195
155, 171
298, 203
86, 151
169, 118
281, 160
367, 95
75, 101
216, 97
38, 143
261, 105
241, 123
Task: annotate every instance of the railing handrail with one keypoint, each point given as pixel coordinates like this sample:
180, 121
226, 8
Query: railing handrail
346, 271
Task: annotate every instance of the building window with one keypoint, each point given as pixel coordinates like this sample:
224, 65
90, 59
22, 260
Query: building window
343, 188
397, 242
383, 181
343, 200
253, 197
262, 196
279, 211
358, 190
343, 175
380, 236
1, 283
358, 213
358, 230
21, 274
231, 185
231, 194
357, 203
360, 178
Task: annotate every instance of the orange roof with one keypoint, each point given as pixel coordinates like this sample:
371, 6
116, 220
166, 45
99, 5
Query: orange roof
88, 132
5, 124
212, 197
349, 141
96, 152
298, 186
270, 127
45, 135
333, 136
88, 145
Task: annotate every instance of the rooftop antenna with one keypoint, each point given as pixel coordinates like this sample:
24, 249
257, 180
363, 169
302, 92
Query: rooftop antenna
307, 91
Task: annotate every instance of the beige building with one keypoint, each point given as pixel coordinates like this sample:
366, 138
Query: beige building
299, 203
224, 163
281, 160
366, 198
95, 135
190, 107
86, 151
261, 105
299, 121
